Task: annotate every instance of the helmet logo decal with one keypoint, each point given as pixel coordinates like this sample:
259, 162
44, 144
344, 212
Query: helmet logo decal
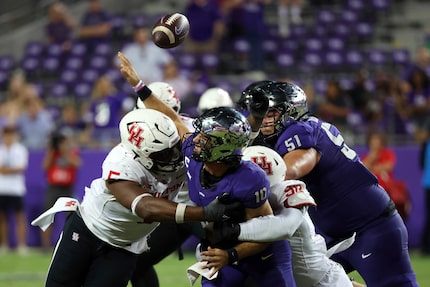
262, 162
135, 134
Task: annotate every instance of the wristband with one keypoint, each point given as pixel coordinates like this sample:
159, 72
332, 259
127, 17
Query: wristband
233, 256
143, 92
180, 212
138, 85
136, 200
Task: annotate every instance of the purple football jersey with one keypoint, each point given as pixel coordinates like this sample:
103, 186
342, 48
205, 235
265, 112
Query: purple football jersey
346, 192
252, 188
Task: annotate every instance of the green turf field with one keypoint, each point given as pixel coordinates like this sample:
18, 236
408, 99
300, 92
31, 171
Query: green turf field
29, 270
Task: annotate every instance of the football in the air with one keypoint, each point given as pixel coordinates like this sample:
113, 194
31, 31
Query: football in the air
170, 30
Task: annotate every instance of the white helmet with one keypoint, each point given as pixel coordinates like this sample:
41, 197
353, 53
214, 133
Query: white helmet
213, 98
269, 160
165, 93
153, 138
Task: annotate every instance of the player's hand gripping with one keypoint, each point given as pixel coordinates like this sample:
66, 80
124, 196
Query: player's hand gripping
127, 70
222, 209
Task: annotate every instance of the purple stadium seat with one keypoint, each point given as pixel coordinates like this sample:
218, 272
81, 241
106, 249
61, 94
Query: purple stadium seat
320, 86
376, 57
270, 46
51, 64
69, 77
325, 17
90, 75
241, 46
400, 57
34, 49
335, 43
341, 30
298, 31
290, 45
285, 60
99, 63
103, 49
30, 64
354, 58
7, 63
54, 50
312, 59
59, 90
78, 50
333, 59
82, 90
349, 17
355, 5
381, 5
346, 83
364, 31
187, 61
313, 44
209, 61
74, 63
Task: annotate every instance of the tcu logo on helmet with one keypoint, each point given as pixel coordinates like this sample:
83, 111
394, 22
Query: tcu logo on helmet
135, 134
263, 164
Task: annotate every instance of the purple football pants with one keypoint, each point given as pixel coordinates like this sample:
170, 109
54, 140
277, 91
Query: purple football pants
271, 267
380, 254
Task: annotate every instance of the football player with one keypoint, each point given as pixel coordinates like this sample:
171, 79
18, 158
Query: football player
214, 167
100, 242
289, 200
348, 197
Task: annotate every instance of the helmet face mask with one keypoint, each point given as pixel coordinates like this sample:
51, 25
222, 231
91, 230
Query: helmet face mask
153, 138
222, 133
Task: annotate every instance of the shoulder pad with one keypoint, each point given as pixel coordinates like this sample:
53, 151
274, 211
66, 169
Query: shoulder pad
296, 195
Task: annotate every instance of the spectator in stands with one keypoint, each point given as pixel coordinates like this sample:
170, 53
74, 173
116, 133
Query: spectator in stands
13, 163
59, 29
60, 162
95, 25
13, 105
181, 83
289, 12
335, 107
381, 160
71, 123
35, 124
149, 60
105, 112
254, 31
206, 26
415, 103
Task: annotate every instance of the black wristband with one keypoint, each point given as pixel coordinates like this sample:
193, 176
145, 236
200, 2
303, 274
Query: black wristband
144, 92
233, 257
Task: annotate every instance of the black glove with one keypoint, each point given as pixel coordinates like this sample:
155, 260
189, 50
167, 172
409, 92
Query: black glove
223, 234
257, 104
222, 209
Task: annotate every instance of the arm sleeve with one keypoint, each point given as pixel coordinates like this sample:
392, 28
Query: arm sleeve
272, 228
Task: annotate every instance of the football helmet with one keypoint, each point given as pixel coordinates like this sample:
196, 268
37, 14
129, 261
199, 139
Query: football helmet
226, 132
268, 160
286, 98
153, 138
165, 93
214, 97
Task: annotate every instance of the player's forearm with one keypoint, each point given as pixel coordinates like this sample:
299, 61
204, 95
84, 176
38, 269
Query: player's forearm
271, 228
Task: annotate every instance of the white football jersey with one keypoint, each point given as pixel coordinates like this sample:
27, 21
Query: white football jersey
108, 219
311, 266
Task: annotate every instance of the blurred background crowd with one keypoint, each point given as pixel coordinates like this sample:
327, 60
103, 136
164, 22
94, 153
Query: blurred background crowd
364, 64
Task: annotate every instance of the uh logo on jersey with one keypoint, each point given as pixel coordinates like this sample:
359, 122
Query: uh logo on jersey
135, 134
